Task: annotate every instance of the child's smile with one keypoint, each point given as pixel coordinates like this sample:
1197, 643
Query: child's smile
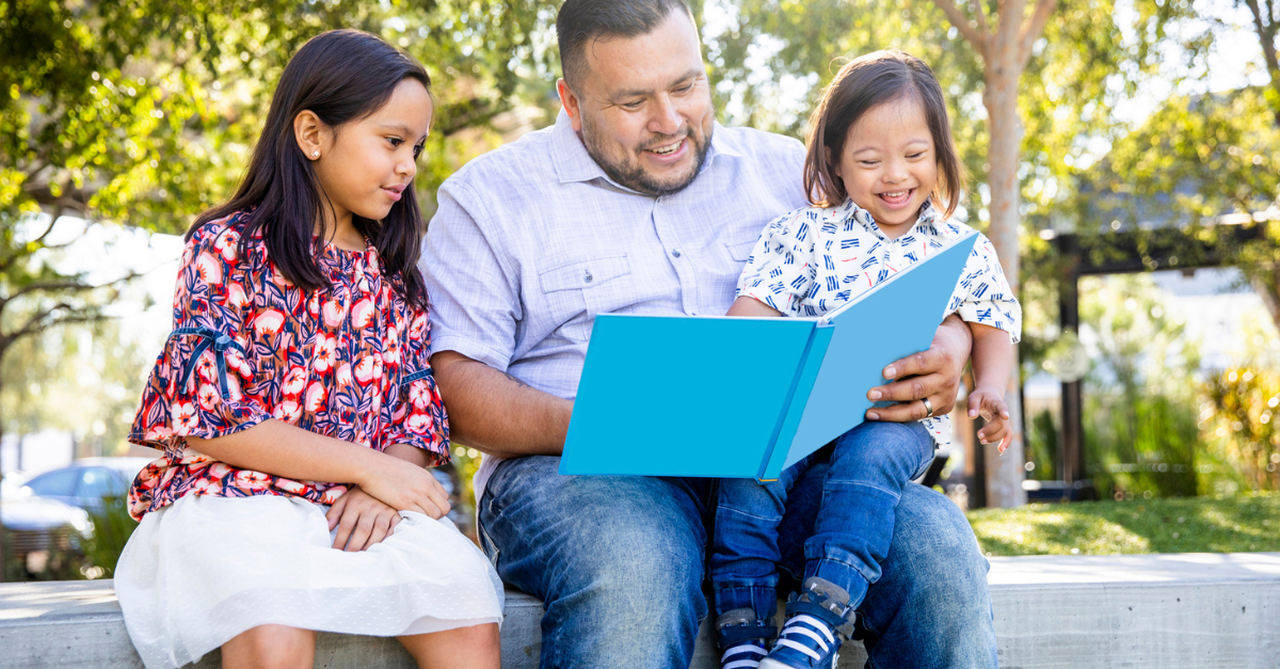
888, 164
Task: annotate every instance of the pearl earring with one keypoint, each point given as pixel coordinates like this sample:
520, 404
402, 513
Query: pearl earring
315, 154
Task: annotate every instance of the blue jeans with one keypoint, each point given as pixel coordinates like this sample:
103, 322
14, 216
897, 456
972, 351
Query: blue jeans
618, 562
869, 466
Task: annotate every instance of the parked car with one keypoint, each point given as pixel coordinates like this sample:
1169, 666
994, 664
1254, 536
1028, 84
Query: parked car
85, 482
36, 526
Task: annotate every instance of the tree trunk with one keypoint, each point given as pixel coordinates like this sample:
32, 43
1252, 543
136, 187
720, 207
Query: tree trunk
1005, 472
4, 543
1269, 290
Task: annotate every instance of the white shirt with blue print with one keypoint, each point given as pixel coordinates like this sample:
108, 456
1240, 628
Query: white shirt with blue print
812, 260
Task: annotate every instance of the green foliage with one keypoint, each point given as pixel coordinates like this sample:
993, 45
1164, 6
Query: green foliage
1223, 525
1239, 414
112, 527
1141, 434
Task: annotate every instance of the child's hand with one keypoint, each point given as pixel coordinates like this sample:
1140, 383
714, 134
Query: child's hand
406, 486
990, 404
362, 520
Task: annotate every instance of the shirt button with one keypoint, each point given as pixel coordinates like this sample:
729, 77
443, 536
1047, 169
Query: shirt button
586, 277
675, 253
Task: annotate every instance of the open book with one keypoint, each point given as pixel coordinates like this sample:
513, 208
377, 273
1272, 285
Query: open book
746, 397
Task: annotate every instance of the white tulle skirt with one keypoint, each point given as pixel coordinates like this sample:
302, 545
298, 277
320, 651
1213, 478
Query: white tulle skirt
207, 568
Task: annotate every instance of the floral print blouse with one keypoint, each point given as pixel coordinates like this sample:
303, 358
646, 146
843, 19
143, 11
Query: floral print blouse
348, 361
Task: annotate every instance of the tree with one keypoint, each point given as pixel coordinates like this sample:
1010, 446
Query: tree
1266, 25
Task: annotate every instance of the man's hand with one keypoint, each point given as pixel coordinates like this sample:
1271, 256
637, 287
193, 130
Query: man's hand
362, 520
933, 374
990, 405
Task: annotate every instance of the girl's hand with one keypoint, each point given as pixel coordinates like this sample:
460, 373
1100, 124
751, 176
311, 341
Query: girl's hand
362, 520
406, 486
990, 405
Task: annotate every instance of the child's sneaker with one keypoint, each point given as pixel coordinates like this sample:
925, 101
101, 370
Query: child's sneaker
743, 639
816, 621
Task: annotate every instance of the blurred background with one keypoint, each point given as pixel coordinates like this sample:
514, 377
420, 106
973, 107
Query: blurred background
1122, 157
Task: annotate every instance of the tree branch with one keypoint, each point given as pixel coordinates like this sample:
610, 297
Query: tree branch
1033, 29
1267, 38
961, 22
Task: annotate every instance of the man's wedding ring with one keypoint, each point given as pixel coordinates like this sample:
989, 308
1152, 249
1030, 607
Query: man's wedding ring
928, 407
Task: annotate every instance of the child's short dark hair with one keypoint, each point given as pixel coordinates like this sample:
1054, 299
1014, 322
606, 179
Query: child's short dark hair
863, 83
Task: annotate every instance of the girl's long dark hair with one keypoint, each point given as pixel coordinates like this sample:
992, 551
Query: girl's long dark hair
341, 76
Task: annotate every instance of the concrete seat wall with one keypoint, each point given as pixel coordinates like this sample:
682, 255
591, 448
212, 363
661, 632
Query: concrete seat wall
1166, 611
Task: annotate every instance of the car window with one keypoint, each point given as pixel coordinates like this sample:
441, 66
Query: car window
96, 482
60, 483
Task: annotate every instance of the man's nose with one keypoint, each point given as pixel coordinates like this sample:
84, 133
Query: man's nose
666, 119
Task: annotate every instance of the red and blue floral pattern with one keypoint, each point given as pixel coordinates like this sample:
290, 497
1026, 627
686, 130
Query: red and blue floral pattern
348, 361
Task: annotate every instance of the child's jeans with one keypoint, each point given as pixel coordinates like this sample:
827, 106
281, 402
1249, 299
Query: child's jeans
870, 465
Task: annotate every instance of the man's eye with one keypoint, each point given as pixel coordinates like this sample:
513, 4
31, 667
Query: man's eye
633, 105
686, 88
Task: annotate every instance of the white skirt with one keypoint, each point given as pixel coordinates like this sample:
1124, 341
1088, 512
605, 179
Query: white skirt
204, 570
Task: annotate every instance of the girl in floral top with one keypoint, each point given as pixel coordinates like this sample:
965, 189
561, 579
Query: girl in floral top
295, 405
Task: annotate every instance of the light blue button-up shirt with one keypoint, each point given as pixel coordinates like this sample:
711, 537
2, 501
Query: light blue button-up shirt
532, 240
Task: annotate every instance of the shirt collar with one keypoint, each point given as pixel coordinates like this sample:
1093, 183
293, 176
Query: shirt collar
573, 163
927, 222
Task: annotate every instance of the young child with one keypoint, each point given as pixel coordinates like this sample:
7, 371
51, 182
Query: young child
296, 380
883, 176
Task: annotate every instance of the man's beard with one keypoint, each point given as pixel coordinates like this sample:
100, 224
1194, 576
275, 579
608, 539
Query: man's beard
633, 175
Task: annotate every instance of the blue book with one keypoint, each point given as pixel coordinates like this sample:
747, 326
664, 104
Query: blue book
746, 397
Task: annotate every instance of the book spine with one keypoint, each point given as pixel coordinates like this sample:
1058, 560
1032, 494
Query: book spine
797, 398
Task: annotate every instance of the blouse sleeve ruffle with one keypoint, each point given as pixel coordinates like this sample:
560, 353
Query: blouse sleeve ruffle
195, 388
418, 417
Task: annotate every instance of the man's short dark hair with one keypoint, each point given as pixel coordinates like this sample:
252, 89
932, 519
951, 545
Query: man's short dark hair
581, 22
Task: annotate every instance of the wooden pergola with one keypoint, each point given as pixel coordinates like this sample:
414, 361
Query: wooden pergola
1123, 252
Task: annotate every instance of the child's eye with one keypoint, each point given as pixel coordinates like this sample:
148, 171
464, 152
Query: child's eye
916, 156
869, 163
417, 151
395, 141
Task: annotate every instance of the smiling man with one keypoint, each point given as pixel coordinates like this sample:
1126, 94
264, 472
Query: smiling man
637, 201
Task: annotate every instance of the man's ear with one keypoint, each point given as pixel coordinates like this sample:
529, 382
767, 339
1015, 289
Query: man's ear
311, 134
572, 105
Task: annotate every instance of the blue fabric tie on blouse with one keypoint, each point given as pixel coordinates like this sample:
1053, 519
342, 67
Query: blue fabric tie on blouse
220, 343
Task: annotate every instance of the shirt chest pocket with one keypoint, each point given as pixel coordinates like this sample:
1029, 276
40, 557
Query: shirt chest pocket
577, 290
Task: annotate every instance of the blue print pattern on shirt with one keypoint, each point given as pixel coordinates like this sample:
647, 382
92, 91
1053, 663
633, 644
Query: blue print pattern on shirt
812, 260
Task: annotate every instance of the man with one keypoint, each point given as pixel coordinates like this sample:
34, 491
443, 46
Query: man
636, 201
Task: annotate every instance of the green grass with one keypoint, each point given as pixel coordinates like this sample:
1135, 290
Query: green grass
1243, 523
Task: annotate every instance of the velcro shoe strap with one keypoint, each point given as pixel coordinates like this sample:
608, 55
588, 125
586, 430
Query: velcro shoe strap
831, 618
732, 634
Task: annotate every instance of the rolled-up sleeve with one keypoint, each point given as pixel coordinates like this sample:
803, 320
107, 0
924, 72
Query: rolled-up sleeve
780, 271
984, 295
474, 291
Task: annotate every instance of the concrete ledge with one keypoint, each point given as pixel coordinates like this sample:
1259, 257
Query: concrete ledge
1166, 611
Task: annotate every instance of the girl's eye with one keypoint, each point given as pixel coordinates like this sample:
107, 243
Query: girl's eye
417, 151
395, 141
916, 156
869, 163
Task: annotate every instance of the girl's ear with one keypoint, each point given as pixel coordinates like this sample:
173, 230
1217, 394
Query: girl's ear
310, 133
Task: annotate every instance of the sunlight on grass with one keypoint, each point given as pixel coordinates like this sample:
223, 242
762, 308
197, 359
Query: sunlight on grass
1235, 524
